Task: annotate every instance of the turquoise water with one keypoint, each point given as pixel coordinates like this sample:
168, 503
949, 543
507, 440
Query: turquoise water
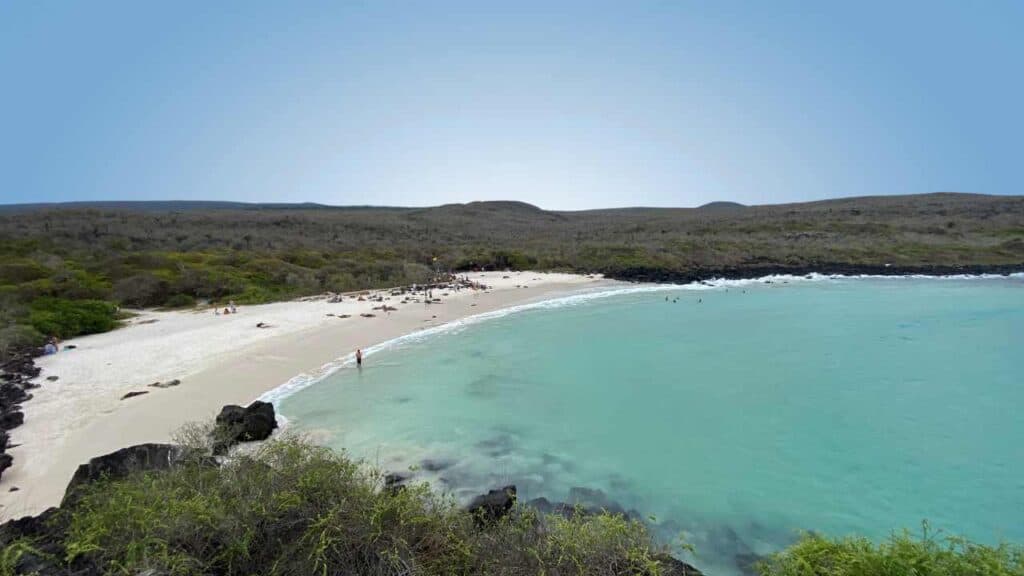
737, 415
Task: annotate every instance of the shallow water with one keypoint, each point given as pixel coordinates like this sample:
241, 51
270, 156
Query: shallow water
737, 415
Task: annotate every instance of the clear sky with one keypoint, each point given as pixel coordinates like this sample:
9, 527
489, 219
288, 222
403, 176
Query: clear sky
566, 105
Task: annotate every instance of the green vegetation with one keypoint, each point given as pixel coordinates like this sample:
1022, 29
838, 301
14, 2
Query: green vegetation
295, 509
902, 555
174, 254
63, 318
291, 508
18, 337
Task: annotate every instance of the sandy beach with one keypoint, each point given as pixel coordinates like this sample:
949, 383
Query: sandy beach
219, 360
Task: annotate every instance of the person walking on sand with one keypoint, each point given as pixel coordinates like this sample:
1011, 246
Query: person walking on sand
359, 358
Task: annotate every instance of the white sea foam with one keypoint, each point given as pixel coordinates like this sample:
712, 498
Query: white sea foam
305, 380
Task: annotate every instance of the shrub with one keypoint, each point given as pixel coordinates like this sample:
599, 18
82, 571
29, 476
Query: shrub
22, 270
141, 290
79, 284
180, 301
902, 555
535, 543
67, 318
30, 290
291, 508
18, 337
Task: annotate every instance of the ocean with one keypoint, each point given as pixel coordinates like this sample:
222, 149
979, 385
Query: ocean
735, 414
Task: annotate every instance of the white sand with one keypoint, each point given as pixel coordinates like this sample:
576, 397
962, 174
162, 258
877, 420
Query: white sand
219, 360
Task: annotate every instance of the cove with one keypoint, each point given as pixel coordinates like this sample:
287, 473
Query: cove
737, 413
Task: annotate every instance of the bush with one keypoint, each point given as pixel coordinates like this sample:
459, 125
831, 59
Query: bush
292, 508
79, 284
18, 337
180, 301
902, 555
141, 290
22, 270
68, 318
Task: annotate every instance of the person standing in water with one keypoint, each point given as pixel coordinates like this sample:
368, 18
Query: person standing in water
359, 358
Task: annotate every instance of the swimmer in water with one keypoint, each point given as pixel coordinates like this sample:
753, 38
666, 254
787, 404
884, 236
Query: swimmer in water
359, 358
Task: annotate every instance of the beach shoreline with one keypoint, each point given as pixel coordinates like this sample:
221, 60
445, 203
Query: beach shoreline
218, 360
228, 360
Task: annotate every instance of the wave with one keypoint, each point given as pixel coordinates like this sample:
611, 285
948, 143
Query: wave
305, 380
817, 277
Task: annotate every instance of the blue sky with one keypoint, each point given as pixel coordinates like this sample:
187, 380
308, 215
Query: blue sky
567, 105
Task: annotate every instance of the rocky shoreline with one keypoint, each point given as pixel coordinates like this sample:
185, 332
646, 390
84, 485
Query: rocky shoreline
755, 271
16, 376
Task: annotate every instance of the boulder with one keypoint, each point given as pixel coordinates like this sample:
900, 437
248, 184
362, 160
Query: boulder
563, 509
28, 562
230, 415
491, 507
594, 501
46, 532
24, 527
121, 463
236, 424
394, 483
671, 566
6, 461
435, 465
11, 394
12, 418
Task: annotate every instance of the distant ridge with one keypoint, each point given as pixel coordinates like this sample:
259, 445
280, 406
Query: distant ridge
506, 206
159, 205
478, 207
721, 205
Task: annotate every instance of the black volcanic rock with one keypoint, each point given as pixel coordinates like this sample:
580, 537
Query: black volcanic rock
491, 507
6, 461
12, 418
545, 506
395, 483
671, 566
46, 532
236, 424
435, 465
121, 463
11, 394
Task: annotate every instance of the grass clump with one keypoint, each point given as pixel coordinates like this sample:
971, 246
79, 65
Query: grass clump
902, 555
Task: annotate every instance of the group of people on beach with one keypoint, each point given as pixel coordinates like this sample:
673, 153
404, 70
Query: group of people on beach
230, 309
